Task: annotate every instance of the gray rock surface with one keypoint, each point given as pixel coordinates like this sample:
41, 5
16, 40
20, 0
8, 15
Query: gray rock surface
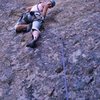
27, 74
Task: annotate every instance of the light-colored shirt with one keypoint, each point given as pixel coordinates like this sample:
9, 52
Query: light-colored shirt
35, 8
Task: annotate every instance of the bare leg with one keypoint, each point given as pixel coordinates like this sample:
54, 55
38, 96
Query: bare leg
21, 27
35, 35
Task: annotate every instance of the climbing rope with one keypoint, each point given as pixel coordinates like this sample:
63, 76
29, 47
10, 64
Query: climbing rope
63, 61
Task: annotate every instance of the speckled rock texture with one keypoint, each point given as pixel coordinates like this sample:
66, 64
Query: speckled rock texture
37, 74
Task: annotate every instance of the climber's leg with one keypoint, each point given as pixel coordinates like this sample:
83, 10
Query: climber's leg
35, 33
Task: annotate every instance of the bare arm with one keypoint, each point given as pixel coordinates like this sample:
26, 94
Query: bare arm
28, 8
45, 9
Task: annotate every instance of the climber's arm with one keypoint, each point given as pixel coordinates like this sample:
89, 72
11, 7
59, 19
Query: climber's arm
28, 8
45, 9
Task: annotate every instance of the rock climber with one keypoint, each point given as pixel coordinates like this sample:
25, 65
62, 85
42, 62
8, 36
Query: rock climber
34, 19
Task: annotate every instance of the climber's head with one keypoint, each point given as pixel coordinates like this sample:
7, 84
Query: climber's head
51, 3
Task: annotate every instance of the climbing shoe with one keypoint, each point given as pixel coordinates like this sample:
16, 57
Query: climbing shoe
32, 44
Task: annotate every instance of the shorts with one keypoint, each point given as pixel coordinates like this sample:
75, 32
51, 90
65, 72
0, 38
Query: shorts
36, 25
20, 22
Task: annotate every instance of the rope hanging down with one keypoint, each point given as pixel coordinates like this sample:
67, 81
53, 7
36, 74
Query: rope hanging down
63, 61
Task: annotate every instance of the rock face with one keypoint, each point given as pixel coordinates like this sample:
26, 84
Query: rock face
27, 74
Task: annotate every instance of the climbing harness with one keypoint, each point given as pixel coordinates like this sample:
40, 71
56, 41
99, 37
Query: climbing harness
38, 13
63, 61
28, 17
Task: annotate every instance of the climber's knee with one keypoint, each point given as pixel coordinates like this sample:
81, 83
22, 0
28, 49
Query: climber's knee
17, 29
